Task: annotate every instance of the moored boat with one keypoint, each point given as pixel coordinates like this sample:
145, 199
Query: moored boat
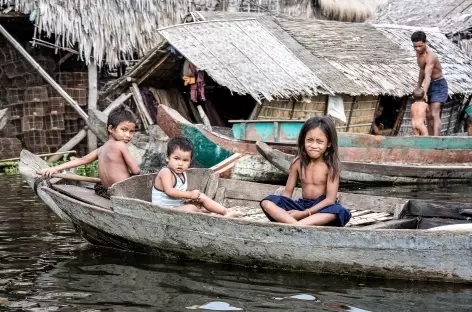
398, 172
387, 237
367, 158
286, 132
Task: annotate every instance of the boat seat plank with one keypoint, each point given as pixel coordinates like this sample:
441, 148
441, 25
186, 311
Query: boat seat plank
85, 195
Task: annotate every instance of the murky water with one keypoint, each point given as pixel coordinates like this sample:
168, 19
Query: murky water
44, 266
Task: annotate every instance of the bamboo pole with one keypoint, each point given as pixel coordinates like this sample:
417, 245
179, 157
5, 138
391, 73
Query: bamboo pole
69, 145
65, 58
41, 155
92, 102
43, 73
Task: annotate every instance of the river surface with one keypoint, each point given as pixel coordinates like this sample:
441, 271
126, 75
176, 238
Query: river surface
45, 266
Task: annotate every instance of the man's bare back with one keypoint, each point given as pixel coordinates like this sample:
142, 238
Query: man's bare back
112, 165
418, 116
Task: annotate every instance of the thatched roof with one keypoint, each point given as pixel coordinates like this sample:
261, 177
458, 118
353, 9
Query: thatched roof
346, 58
449, 15
103, 28
244, 57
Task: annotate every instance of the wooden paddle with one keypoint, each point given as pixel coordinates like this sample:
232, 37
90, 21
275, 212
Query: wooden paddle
75, 177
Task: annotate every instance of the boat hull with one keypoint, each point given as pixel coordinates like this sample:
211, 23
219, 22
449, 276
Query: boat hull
407, 254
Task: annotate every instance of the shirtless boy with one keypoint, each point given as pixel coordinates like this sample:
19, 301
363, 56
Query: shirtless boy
419, 110
115, 163
431, 80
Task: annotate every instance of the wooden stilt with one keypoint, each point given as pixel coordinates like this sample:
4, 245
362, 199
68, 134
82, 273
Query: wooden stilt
399, 119
350, 114
256, 111
69, 145
92, 102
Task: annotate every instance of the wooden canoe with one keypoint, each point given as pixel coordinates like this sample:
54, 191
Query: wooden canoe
387, 237
286, 131
397, 172
368, 162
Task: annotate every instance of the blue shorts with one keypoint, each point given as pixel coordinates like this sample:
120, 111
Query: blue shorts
342, 214
437, 92
468, 110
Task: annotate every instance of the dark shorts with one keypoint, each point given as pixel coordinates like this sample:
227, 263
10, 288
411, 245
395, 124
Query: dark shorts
101, 190
342, 214
437, 92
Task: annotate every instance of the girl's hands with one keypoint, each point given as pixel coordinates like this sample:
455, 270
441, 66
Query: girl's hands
48, 172
297, 214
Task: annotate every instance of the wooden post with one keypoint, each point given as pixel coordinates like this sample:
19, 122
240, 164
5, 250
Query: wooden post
256, 111
64, 58
293, 108
92, 101
69, 145
350, 114
117, 102
204, 117
398, 121
140, 104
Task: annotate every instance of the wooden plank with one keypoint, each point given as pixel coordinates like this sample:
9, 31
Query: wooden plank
451, 171
394, 224
140, 103
350, 114
83, 194
69, 145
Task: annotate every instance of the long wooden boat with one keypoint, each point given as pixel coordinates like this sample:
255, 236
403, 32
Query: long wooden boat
387, 237
286, 131
397, 172
368, 158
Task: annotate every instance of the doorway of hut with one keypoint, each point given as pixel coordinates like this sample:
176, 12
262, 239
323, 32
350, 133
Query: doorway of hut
221, 105
388, 115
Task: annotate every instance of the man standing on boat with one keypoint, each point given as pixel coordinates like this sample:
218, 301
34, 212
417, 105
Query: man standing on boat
431, 80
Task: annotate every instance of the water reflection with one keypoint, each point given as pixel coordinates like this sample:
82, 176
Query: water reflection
44, 266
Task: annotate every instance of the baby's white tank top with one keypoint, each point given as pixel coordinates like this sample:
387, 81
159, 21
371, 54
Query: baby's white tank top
161, 198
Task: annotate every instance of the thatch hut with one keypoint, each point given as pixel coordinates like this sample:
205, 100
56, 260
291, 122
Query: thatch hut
453, 17
360, 65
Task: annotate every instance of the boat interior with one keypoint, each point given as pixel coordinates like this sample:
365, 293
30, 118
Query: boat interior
368, 212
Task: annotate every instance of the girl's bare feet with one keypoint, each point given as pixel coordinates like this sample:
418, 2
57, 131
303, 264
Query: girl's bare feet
234, 214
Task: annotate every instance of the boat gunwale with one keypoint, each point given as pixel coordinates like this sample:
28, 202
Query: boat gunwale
172, 211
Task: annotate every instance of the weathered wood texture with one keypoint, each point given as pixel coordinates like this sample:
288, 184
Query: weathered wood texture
92, 102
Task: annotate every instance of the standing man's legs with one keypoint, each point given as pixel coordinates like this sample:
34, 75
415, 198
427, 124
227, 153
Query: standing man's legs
434, 119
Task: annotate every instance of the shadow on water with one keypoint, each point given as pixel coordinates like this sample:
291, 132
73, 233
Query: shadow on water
44, 266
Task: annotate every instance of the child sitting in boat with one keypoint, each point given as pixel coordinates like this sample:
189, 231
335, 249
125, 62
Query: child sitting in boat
170, 185
318, 167
115, 163
419, 109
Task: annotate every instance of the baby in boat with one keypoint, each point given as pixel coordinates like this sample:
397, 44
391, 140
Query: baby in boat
318, 167
170, 185
419, 109
115, 163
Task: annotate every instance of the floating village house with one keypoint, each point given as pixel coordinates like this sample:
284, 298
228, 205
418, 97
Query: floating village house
295, 68
364, 65
66, 36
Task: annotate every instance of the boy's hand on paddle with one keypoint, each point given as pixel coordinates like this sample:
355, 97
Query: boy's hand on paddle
297, 215
48, 172
195, 194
